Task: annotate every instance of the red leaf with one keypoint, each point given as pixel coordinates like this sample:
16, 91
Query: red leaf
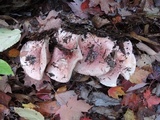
85, 5
131, 100
151, 100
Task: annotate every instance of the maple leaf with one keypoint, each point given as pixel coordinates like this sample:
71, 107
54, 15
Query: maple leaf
115, 92
74, 109
151, 100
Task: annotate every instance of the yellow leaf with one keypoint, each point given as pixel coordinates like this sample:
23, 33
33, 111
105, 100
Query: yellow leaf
62, 89
115, 92
129, 115
29, 105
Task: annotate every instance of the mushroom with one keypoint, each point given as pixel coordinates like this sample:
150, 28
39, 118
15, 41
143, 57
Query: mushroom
125, 65
95, 51
67, 40
34, 57
65, 58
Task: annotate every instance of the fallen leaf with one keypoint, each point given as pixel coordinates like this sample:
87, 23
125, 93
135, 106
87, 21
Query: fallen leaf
62, 89
151, 100
144, 60
85, 5
115, 92
29, 105
63, 98
99, 22
28, 113
126, 84
8, 38
74, 109
106, 111
77, 8
105, 5
28, 81
137, 86
129, 115
131, 100
5, 68
124, 12
4, 98
47, 108
4, 86
139, 76
153, 117
3, 111
13, 53
3, 23
100, 99
155, 75
50, 21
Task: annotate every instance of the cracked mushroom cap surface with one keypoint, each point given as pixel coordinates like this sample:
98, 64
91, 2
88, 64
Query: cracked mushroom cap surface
34, 57
94, 51
125, 65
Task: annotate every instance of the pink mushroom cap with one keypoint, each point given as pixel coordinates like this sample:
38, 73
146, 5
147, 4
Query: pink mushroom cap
95, 51
34, 57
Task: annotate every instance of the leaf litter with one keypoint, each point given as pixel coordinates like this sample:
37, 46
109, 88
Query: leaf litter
71, 68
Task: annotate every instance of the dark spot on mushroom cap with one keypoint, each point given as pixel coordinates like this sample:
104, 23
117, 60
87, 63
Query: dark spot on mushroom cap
92, 55
31, 59
67, 39
51, 74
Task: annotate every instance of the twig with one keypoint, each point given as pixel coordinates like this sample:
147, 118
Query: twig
141, 38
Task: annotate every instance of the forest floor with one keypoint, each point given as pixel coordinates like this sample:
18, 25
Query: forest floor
53, 35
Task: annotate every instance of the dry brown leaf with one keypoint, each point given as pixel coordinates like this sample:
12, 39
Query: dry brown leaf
4, 86
47, 108
139, 76
4, 98
13, 53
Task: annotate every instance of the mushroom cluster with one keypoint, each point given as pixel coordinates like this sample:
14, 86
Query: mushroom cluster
85, 54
